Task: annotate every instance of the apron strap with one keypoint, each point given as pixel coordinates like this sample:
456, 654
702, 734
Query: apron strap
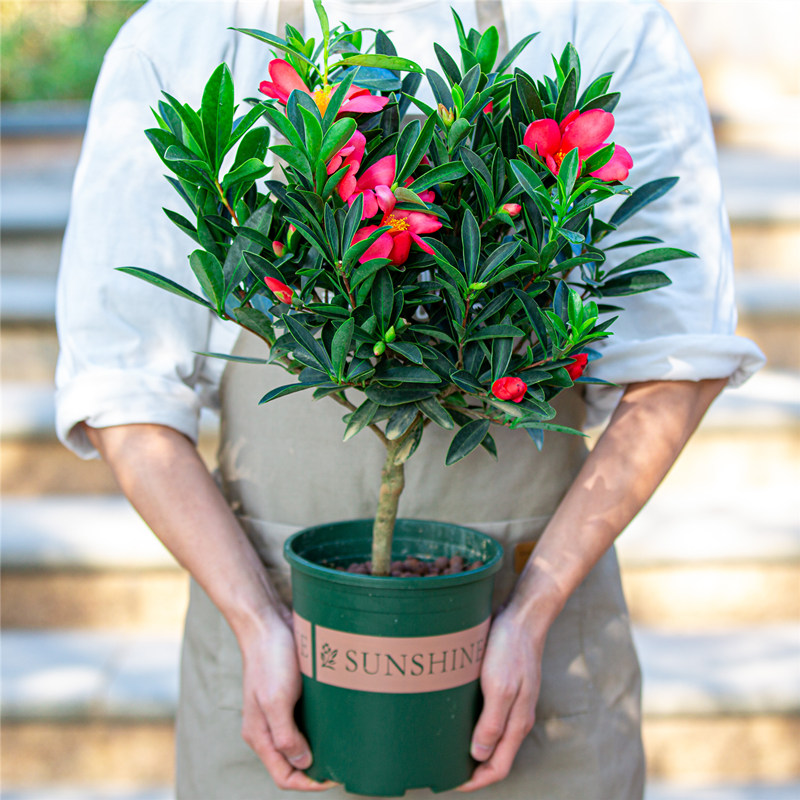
291, 12
490, 12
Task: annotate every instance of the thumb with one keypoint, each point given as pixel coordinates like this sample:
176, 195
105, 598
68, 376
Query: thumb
286, 736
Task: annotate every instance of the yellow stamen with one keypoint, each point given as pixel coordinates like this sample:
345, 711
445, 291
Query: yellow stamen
398, 223
322, 97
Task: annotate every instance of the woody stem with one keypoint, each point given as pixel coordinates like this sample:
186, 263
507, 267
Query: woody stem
392, 483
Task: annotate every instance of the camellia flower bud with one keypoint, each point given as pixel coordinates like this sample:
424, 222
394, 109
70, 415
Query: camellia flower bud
479, 286
509, 388
283, 292
447, 116
391, 335
512, 209
279, 248
379, 348
578, 365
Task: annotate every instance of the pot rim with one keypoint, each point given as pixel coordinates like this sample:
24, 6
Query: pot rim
354, 580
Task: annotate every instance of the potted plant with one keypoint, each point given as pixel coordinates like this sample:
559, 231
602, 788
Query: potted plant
451, 270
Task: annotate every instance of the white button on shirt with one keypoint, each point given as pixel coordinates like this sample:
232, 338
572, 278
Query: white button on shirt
129, 350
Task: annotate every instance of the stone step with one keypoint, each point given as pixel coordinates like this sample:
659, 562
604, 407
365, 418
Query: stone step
691, 559
718, 706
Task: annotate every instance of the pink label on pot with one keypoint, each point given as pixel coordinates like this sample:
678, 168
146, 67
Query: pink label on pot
398, 665
302, 641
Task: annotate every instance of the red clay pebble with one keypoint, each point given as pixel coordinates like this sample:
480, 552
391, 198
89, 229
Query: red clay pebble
443, 562
475, 565
456, 563
413, 567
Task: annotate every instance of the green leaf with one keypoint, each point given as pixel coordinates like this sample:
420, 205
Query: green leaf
487, 49
250, 171
417, 151
359, 419
276, 41
460, 129
407, 350
256, 321
376, 60
243, 126
313, 130
400, 421
449, 66
229, 357
337, 98
641, 197
493, 331
529, 180
567, 96
164, 283
306, 340
466, 440
282, 391
514, 52
410, 445
406, 374
336, 138
643, 281
208, 272
468, 382
471, 244
323, 19
451, 171
432, 409
382, 300
284, 127
654, 256
216, 114
399, 396
340, 346
568, 173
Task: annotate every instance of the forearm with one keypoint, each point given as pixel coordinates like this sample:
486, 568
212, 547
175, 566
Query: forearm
647, 432
161, 473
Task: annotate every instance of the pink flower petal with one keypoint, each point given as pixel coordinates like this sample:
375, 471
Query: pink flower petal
381, 172
573, 115
370, 204
363, 105
347, 185
362, 233
617, 168
271, 90
401, 246
423, 245
420, 222
386, 199
588, 130
380, 248
543, 137
285, 77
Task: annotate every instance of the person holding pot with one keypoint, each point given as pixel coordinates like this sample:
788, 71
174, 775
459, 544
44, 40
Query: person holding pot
560, 677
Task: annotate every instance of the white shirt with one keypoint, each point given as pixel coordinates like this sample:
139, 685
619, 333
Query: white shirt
129, 350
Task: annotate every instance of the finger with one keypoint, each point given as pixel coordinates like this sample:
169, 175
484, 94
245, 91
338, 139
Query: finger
257, 734
498, 702
497, 767
286, 736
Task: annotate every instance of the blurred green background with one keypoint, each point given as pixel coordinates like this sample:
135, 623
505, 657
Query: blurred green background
52, 49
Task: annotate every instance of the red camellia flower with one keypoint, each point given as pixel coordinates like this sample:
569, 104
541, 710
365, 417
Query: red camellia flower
512, 209
285, 80
578, 365
396, 243
283, 292
588, 132
509, 388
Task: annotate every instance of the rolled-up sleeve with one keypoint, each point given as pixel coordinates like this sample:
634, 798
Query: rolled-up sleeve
685, 331
128, 349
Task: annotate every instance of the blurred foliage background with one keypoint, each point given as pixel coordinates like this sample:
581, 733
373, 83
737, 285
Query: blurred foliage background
53, 49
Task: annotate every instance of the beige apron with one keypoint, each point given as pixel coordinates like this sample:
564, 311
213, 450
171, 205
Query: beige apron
586, 741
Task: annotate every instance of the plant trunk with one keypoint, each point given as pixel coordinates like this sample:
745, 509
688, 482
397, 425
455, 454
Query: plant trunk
392, 483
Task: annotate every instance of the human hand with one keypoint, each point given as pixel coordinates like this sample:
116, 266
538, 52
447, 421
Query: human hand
272, 687
510, 681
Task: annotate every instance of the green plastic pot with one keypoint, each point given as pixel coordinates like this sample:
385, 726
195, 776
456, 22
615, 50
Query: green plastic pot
390, 665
